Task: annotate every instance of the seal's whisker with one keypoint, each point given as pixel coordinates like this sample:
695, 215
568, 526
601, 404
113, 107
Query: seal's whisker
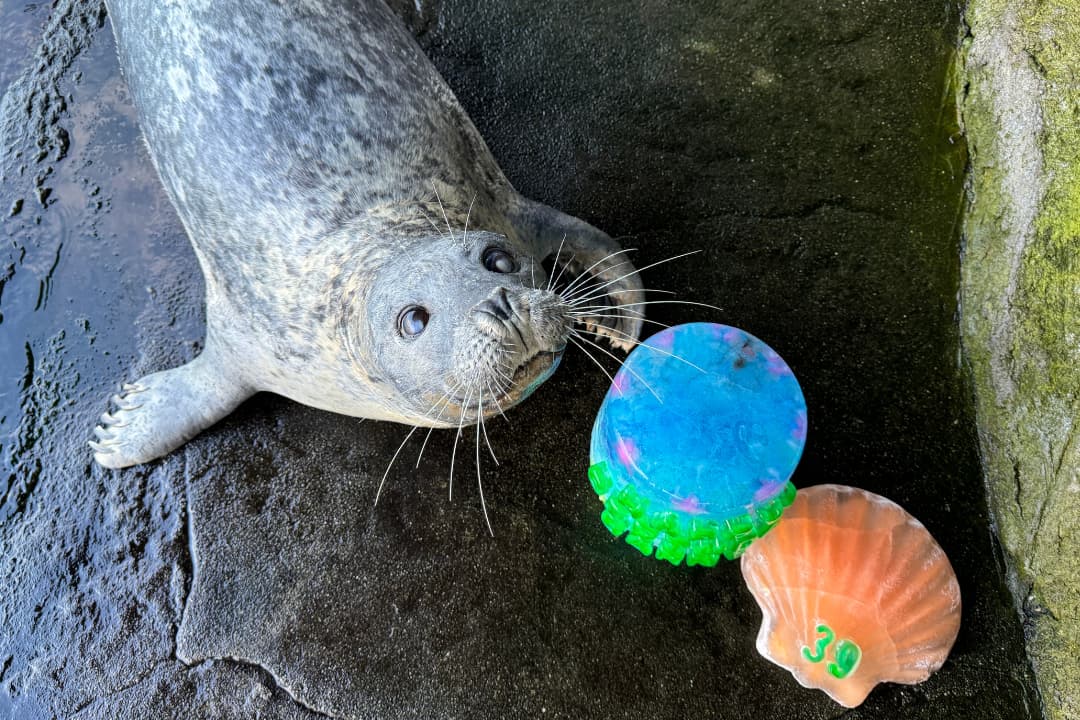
639, 270
617, 317
436, 412
644, 290
588, 283
635, 341
453, 455
571, 296
562, 268
504, 369
443, 210
622, 364
437, 228
551, 278
479, 481
653, 265
585, 272
445, 397
496, 401
483, 427
580, 310
424, 445
383, 481
465, 236
573, 302
444, 401
590, 356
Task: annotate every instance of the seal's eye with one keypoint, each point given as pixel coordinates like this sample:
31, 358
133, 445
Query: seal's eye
498, 260
412, 321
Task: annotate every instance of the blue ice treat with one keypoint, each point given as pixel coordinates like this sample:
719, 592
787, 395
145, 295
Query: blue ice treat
696, 440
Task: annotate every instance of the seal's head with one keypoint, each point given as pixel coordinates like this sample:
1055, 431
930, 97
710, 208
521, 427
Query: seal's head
461, 327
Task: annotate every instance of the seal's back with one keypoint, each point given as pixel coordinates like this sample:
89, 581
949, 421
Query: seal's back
302, 115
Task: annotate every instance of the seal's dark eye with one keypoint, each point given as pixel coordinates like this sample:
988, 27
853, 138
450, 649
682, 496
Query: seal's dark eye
412, 321
498, 260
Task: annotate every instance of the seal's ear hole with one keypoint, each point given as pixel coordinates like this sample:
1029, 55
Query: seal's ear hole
412, 321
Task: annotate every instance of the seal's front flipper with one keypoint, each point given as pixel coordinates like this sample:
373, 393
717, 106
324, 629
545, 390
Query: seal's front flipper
612, 293
160, 412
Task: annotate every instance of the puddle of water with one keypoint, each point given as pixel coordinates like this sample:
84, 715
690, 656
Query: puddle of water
21, 24
77, 269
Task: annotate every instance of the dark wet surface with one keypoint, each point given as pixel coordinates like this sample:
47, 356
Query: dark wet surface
806, 149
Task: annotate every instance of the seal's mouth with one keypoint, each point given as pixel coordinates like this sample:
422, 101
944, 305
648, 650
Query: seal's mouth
531, 373
526, 378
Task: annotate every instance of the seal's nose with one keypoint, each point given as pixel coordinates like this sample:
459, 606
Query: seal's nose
497, 305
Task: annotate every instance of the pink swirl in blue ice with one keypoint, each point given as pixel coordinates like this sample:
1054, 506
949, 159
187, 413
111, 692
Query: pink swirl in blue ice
705, 419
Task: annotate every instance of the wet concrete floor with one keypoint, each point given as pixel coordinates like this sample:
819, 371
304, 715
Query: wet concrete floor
810, 150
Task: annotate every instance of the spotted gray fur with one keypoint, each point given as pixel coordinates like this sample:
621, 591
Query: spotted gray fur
325, 174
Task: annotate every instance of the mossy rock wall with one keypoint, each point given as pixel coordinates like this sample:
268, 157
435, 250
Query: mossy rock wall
1021, 310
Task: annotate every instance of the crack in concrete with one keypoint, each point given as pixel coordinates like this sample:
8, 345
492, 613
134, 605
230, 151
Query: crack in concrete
189, 529
242, 662
189, 524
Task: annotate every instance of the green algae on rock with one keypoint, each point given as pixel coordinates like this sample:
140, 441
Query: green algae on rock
1021, 310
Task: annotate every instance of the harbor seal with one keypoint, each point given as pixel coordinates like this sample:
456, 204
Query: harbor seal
363, 252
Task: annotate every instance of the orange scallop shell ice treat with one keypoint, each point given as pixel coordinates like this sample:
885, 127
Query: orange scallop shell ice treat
854, 591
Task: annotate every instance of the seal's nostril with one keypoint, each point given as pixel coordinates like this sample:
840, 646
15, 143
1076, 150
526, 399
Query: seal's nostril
493, 309
498, 305
501, 299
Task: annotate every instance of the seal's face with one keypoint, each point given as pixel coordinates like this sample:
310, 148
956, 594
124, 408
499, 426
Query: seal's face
462, 327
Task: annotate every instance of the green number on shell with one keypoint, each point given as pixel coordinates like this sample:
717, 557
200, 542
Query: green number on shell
823, 642
847, 655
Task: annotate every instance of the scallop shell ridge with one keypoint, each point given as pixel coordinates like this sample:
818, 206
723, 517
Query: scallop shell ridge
853, 591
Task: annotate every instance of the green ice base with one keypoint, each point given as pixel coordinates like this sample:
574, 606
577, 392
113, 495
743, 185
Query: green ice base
675, 535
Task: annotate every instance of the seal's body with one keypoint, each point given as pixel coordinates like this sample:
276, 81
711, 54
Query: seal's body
362, 250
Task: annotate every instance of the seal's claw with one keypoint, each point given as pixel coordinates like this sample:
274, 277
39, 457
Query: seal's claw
122, 402
100, 448
109, 420
173, 406
103, 433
